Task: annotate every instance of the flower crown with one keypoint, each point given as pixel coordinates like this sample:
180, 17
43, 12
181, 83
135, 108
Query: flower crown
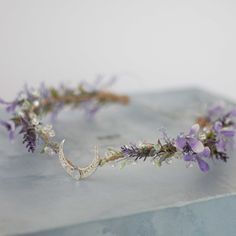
209, 138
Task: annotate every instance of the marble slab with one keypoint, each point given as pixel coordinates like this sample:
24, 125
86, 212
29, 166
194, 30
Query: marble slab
38, 198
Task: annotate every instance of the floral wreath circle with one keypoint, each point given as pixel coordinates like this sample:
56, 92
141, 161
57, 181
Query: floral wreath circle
210, 137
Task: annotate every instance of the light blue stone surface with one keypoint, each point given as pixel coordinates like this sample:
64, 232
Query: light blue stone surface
214, 217
38, 198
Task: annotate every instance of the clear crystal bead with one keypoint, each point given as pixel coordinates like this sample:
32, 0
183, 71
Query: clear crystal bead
25, 105
51, 133
49, 151
35, 121
47, 128
189, 165
76, 175
169, 161
202, 136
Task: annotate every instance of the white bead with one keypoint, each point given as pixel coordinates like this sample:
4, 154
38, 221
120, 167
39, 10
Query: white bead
36, 103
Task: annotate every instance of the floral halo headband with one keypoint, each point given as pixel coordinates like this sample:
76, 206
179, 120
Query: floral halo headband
210, 138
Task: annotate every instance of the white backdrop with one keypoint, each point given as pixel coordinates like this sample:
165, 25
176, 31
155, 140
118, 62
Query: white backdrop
150, 45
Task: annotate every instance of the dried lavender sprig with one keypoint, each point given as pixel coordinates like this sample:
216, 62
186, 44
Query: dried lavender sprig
29, 138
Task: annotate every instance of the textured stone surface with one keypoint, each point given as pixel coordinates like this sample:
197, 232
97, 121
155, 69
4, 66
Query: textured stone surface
36, 195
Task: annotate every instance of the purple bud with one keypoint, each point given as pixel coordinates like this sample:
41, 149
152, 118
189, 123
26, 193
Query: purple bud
10, 127
216, 110
11, 106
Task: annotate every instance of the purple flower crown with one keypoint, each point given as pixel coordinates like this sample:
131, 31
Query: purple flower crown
211, 137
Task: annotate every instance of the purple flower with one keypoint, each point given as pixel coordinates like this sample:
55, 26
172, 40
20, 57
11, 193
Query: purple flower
90, 108
232, 113
44, 92
28, 93
203, 165
91, 111
192, 148
223, 134
56, 110
219, 112
216, 111
10, 126
11, 106
190, 141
